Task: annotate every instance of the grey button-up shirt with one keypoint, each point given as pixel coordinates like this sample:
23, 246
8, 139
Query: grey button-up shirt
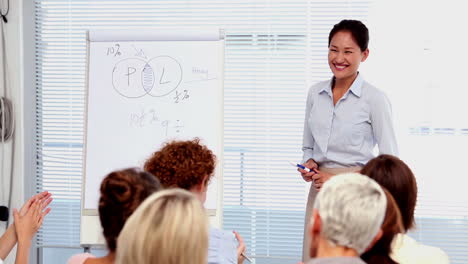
345, 134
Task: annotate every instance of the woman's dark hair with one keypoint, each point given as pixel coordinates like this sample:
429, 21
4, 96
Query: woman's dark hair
357, 29
391, 226
393, 174
121, 193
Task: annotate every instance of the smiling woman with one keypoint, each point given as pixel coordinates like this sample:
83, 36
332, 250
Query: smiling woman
344, 57
345, 116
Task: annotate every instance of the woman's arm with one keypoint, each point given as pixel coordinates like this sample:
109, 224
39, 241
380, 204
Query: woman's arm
9, 238
7, 241
308, 142
382, 125
307, 138
240, 248
25, 228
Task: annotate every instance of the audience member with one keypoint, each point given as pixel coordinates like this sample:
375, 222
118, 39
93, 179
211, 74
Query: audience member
27, 222
391, 227
346, 220
121, 193
170, 227
394, 175
190, 165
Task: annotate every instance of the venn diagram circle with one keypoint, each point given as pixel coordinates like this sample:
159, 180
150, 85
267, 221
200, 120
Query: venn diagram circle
136, 77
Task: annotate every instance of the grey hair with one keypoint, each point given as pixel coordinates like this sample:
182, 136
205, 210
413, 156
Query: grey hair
352, 209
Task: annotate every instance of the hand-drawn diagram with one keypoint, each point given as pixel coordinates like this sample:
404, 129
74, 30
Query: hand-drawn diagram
135, 77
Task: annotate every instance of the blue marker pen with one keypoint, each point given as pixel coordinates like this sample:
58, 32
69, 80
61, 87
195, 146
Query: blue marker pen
301, 166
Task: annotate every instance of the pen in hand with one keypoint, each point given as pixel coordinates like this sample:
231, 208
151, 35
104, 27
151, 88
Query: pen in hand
300, 166
241, 246
247, 258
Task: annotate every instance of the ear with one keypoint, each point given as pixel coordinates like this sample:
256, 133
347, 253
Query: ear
202, 187
375, 240
205, 180
316, 223
199, 187
365, 54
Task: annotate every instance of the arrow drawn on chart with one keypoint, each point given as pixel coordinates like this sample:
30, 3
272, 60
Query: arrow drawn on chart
139, 53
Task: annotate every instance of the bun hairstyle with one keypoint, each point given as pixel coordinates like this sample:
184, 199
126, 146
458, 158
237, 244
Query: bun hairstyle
121, 193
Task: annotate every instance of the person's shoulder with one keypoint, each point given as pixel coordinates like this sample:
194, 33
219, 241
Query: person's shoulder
316, 88
319, 85
411, 251
371, 90
374, 96
433, 254
79, 258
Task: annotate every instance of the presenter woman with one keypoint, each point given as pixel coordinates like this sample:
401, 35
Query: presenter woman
345, 116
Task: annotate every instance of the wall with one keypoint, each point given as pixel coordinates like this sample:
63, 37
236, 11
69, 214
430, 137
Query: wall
21, 150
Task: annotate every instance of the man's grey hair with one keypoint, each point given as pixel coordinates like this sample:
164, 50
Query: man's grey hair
352, 209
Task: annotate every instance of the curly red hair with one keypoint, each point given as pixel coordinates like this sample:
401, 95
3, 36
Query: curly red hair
182, 164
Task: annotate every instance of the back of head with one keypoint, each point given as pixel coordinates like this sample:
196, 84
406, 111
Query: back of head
170, 227
395, 176
392, 226
182, 164
357, 29
121, 193
351, 208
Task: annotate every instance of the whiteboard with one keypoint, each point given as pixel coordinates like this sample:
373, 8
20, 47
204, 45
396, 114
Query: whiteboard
146, 87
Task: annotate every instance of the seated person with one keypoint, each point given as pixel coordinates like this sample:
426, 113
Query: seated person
190, 165
391, 227
121, 193
347, 216
170, 227
394, 175
26, 223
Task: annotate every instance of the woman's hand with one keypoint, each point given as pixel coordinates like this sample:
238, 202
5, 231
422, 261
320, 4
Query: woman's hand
44, 198
240, 248
320, 178
29, 218
28, 224
307, 176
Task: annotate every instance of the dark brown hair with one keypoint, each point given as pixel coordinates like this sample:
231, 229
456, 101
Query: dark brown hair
357, 29
393, 174
182, 164
392, 225
121, 193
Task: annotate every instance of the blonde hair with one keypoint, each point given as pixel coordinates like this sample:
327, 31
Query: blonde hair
169, 227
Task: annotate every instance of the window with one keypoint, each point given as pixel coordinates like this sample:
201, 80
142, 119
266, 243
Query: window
419, 65
274, 51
